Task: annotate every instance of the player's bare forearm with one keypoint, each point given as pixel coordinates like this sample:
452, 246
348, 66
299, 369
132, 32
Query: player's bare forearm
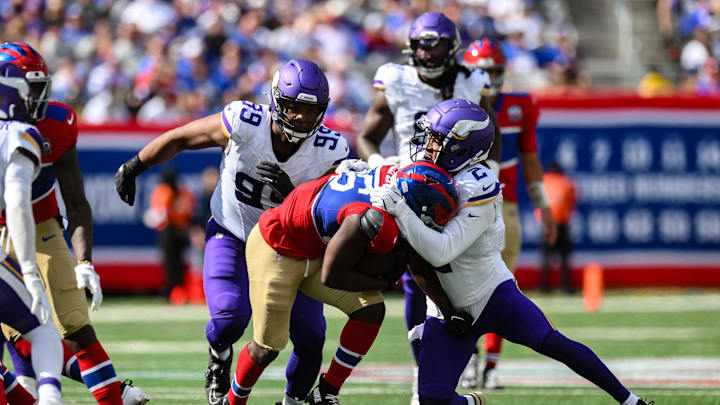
199, 134
80, 228
344, 251
79, 213
496, 149
426, 278
377, 123
531, 167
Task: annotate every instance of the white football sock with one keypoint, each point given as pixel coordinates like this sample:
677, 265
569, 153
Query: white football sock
632, 399
288, 400
223, 355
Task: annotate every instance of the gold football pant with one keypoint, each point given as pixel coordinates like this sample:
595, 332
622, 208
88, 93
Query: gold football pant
274, 282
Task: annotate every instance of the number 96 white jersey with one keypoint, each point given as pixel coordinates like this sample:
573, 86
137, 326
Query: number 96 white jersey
240, 197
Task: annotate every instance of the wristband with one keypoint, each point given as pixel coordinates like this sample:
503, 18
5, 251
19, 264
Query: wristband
537, 194
135, 166
84, 262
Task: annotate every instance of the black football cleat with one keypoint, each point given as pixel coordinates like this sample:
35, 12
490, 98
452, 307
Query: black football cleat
323, 394
217, 378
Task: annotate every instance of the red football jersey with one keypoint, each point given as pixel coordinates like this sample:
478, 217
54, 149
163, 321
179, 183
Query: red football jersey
517, 115
312, 213
60, 127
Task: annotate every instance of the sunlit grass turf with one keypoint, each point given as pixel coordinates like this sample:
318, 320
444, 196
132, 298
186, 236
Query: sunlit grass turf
163, 348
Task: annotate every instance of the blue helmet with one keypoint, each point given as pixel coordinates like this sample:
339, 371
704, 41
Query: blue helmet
463, 130
433, 41
14, 93
429, 191
299, 81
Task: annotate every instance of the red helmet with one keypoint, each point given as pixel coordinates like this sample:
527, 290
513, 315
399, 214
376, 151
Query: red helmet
33, 66
487, 54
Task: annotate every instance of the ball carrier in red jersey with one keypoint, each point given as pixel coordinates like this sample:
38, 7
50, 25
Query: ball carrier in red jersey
64, 276
267, 150
517, 115
312, 243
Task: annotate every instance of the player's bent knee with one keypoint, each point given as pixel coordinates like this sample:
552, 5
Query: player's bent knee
223, 332
71, 322
44, 332
371, 314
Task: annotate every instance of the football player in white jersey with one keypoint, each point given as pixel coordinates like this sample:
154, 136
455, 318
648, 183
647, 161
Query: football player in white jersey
25, 304
268, 150
405, 93
466, 254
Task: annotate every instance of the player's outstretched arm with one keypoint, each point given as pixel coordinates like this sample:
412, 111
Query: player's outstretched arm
199, 134
375, 126
344, 251
426, 278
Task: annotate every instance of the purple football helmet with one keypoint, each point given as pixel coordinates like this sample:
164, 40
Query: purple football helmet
14, 93
461, 128
429, 191
299, 81
433, 41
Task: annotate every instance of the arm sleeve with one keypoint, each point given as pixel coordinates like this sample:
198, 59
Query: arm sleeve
441, 248
527, 142
20, 223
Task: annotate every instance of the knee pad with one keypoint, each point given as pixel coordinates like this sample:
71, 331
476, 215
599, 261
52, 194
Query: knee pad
223, 332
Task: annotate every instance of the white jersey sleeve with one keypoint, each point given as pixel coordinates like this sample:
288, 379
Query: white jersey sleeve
26, 139
472, 87
240, 118
477, 189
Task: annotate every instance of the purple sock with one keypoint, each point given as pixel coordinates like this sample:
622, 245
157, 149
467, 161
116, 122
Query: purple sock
583, 361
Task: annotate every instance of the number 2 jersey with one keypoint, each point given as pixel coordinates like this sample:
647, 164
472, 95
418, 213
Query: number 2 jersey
467, 251
240, 197
18, 137
409, 98
311, 214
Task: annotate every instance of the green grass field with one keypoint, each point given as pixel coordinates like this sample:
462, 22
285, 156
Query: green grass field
665, 345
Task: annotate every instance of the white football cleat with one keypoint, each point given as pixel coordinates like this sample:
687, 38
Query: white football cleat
469, 378
132, 395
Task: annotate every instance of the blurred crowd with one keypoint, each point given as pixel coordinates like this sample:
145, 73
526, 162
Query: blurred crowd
691, 30
164, 61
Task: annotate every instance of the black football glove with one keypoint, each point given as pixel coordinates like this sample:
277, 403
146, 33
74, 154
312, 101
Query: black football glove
459, 324
125, 179
272, 175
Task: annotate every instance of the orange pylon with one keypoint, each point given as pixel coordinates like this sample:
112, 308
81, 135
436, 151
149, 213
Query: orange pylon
592, 286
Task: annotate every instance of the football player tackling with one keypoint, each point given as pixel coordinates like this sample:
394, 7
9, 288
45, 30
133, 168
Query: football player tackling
517, 115
313, 243
268, 149
457, 137
23, 300
406, 92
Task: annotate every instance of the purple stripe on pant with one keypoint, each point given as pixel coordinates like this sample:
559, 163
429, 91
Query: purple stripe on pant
225, 281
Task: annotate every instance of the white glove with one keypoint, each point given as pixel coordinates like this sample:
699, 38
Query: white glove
40, 304
354, 165
87, 277
386, 198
